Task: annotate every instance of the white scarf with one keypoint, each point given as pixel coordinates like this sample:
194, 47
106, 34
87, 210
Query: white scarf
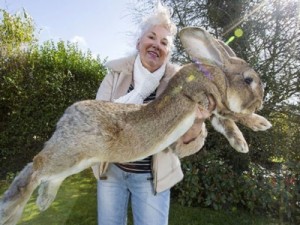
145, 83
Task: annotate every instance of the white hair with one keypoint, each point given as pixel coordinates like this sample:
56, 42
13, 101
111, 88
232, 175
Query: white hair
162, 17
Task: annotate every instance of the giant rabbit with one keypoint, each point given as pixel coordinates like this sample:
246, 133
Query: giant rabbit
94, 131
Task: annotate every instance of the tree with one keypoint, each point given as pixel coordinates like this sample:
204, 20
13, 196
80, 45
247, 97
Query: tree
16, 32
37, 84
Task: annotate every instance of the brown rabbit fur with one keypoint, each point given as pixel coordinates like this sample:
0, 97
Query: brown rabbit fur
93, 131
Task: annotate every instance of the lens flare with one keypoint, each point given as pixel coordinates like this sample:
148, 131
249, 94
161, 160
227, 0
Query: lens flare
237, 34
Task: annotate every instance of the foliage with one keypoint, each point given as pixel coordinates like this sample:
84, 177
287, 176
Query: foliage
16, 32
36, 86
211, 182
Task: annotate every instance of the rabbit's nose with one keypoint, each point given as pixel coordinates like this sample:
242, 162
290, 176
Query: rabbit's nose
259, 105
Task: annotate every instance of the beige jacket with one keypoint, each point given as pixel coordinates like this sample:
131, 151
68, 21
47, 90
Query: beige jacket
166, 167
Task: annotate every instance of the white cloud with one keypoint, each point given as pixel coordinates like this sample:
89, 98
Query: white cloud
80, 41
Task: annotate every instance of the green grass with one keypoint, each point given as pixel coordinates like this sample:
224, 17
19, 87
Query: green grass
75, 204
180, 215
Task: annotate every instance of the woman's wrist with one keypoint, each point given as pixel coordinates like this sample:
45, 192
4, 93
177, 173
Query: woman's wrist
192, 134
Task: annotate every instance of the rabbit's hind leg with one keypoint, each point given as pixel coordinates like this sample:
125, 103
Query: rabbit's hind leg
47, 193
17, 195
49, 186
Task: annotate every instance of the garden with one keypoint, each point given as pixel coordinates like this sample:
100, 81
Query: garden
221, 186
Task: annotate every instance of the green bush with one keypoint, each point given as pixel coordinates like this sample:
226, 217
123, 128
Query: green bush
36, 86
210, 182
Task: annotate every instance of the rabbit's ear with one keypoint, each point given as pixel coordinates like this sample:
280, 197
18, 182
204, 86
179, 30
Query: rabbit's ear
228, 50
198, 43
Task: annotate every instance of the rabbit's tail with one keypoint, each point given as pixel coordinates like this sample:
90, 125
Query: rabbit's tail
17, 195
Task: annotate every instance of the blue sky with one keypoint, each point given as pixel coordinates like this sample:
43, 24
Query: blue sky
103, 26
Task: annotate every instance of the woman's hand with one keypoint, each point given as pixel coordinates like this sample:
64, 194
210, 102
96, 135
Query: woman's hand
201, 115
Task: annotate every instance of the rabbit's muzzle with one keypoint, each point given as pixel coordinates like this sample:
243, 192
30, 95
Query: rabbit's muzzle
244, 102
254, 106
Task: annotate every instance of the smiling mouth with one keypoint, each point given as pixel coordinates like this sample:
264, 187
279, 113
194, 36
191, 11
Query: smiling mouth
153, 54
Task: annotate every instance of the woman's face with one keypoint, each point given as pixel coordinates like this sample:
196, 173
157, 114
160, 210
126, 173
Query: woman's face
154, 47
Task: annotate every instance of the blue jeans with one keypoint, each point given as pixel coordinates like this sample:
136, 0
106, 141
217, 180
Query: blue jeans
115, 192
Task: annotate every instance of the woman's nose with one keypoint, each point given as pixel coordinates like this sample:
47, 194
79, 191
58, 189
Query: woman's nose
156, 45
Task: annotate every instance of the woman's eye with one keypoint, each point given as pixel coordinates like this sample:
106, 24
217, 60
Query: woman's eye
164, 43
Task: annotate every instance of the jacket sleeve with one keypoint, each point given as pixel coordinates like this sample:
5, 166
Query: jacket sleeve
106, 88
183, 150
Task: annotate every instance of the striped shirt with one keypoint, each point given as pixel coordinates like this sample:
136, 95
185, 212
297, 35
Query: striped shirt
144, 165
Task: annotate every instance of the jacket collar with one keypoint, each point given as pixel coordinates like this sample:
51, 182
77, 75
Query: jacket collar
125, 65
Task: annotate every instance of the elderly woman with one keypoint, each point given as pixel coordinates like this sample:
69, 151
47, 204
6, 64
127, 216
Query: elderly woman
138, 79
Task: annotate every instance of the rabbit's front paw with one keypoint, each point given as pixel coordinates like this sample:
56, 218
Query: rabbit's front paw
261, 125
256, 122
239, 144
230, 130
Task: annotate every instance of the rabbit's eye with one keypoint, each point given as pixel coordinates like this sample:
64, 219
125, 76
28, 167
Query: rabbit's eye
248, 80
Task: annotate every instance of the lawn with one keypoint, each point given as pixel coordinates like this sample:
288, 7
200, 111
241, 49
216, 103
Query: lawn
75, 204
